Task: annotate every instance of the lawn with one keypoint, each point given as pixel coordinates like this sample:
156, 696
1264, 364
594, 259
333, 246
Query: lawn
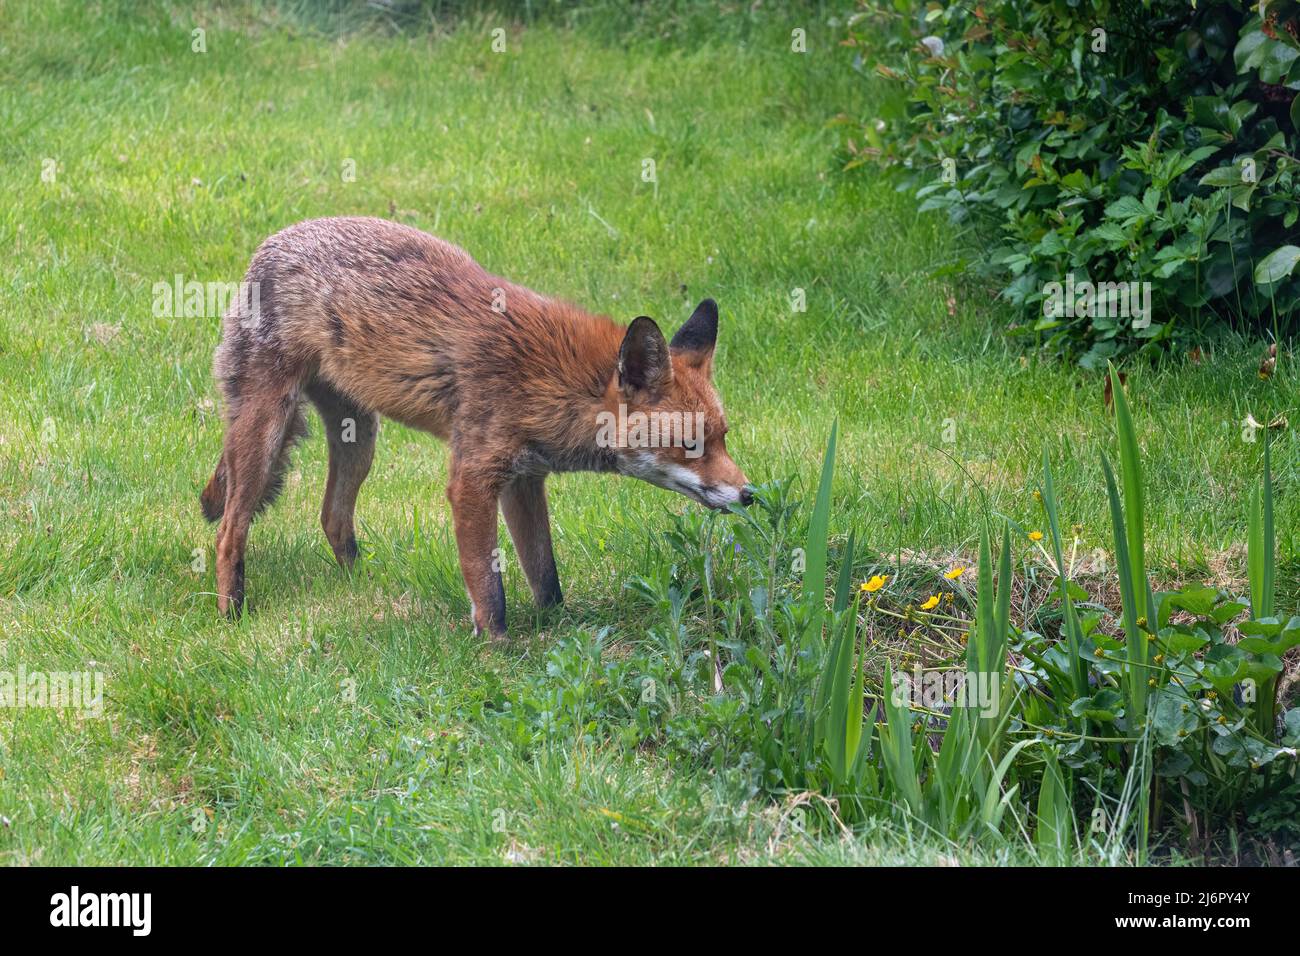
341, 721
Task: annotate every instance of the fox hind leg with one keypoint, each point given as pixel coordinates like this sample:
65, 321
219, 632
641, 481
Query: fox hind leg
255, 456
351, 432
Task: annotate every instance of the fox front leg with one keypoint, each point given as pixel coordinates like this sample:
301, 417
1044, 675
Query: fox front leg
473, 514
474, 517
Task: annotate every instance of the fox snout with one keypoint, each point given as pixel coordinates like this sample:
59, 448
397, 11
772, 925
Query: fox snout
715, 484
718, 495
719, 498
731, 487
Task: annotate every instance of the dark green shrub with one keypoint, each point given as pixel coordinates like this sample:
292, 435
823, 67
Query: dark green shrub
1091, 142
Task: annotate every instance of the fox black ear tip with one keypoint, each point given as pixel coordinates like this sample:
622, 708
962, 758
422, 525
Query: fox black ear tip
708, 307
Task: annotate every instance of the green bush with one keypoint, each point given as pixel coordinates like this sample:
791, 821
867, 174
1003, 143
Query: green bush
1103, 142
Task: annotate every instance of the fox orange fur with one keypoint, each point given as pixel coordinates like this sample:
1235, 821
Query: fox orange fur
365, 317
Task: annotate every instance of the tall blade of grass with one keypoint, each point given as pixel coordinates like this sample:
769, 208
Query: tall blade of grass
1135, 675
844, 583
983, 606
1070, 626
1135, 792
832, 664
996, 646
1128, 603
863, 772
1130, 462
995, 802
1260, 544
839, 662
1139, 605
1269, 541
1255, 554
835, 718
896, 750
1260, 568
814, 579
1054, 835
854, 745
957, 770
986, 650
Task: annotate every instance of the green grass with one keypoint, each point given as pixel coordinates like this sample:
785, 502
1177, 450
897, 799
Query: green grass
242, 743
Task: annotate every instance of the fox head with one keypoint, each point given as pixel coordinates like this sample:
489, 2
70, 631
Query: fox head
662, 417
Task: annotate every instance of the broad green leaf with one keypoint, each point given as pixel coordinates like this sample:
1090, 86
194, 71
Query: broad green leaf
1277, 265
1222, 176
1250, 46
1174, 717
1193, 599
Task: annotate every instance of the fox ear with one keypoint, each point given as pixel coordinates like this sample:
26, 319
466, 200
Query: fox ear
643, 360
695, 339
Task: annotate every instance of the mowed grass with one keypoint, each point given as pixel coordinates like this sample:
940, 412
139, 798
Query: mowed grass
339, 721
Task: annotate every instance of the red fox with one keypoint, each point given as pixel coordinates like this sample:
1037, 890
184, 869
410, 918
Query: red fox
364, 317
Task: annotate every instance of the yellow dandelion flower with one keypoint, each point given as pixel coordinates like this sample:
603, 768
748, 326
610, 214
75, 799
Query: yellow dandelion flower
955, 573
875, 584
1035, 536
932, 602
